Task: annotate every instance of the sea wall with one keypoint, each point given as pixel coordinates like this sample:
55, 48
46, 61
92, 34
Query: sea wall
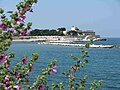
46, 38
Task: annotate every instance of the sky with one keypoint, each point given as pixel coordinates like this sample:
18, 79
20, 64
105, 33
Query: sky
103, 16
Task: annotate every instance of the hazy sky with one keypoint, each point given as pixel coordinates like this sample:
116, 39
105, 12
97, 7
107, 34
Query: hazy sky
103, 16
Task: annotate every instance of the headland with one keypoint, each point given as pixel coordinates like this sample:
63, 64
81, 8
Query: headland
63, 37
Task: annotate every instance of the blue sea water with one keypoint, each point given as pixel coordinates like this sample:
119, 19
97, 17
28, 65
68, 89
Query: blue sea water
104, 63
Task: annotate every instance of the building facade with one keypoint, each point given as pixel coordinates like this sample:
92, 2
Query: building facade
76, 32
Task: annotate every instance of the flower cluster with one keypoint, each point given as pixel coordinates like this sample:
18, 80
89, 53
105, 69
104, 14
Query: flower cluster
13, 79
6, 84
41, 87
3, 27
3, 57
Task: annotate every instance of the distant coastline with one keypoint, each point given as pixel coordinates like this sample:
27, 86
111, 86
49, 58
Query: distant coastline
53, 39
60, 35
58, 40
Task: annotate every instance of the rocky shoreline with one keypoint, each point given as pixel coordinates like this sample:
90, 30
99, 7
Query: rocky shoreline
59, 40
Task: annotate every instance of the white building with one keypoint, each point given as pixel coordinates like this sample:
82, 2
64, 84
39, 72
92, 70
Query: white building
75, 32
73, 28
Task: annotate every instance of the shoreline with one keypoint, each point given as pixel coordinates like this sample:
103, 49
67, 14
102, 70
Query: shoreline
62, 42
80, 45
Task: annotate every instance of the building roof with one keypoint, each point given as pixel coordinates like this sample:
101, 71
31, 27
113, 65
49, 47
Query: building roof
73, 28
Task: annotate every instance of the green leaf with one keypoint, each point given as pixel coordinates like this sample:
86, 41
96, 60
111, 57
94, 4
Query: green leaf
10, 12
0, 30
87, 45
64, 73
82, 56
1, 11
74, 57
86, 61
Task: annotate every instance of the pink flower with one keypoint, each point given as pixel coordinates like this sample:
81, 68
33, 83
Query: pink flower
72, 68
1, 84
31, 10
7, 66
27, 7
3, 27
3, 57
11, 31
24, 32
6, 81
23, 16
7, 88
16, 87
7, 84
16, 73
71, 76
41, 87
54, 69
19, 20
24, 60
7, 77
21, 12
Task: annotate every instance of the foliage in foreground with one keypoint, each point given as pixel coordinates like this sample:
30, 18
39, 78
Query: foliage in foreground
16, 78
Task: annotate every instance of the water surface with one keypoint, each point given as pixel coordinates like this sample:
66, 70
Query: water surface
104, 64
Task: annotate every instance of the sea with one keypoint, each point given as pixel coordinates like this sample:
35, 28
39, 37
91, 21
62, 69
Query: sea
103, 63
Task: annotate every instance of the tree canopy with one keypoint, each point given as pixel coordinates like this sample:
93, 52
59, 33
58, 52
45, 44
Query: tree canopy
47, 32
